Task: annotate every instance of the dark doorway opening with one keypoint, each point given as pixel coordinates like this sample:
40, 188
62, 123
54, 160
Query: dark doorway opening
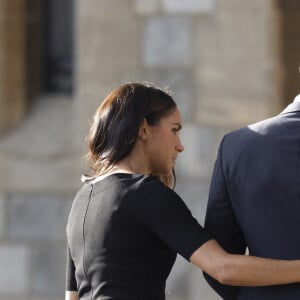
57, 45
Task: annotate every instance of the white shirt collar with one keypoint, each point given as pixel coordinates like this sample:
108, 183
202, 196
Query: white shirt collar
297, 99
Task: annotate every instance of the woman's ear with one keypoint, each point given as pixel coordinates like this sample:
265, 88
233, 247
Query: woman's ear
143, 130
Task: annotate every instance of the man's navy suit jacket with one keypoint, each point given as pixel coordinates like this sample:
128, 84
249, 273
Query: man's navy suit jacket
254, 198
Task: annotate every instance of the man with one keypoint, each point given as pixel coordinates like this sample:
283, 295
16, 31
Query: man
254, 199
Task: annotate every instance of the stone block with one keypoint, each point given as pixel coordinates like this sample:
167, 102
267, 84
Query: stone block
37, 217
49, 269
103, 9
206, 42
236, 88
2, 215
231, 112
46, 129
194, 192
59, 175
119, 45
236, 102
188, 6
147, 7
15, 270
201, 146
54, 160
167, 42
102, 60
237, 6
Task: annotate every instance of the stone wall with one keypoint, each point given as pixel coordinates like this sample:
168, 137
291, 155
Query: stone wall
222, 68
40, 172
220, 65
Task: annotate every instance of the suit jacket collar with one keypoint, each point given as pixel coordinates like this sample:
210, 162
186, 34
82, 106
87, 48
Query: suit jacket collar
293, 107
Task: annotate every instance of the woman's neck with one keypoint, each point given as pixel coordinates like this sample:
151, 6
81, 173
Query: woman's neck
128, 165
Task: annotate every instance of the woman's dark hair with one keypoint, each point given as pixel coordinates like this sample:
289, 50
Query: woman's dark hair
117, 121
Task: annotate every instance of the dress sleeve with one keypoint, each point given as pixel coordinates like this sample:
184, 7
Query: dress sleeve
162, 211
71, 284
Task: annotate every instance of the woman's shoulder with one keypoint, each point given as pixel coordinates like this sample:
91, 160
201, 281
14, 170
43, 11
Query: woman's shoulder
133, 185
149, 189
151, 184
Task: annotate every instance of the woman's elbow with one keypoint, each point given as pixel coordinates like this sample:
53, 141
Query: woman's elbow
221, 273
228, 273
224, 277
213, 260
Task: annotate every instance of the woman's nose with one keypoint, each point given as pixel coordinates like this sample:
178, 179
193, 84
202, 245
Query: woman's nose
180, 147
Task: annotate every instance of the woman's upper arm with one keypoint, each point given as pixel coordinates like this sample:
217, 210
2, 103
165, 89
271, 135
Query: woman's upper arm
165, 214
211, 258
244, 270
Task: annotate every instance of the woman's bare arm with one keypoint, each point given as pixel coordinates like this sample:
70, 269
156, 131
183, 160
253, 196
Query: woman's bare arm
71, 295
242, 270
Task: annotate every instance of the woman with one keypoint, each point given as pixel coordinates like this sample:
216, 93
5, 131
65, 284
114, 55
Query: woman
126, 224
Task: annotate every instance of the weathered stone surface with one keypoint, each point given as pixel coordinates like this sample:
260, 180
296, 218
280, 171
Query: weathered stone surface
14, 271
48, 274
232, 112
200, 151
37, 217
168, 42
238, 6
115, 44
103, 9
194, 193
188, 6
60, 175
42, 154
147, 7
2, 215
231, 78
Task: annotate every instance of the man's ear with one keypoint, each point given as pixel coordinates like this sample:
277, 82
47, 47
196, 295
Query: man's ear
143, 130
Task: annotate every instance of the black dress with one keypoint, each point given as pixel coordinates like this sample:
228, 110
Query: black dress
123, 236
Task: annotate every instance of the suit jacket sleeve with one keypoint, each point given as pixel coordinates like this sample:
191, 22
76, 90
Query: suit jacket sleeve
220, 221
